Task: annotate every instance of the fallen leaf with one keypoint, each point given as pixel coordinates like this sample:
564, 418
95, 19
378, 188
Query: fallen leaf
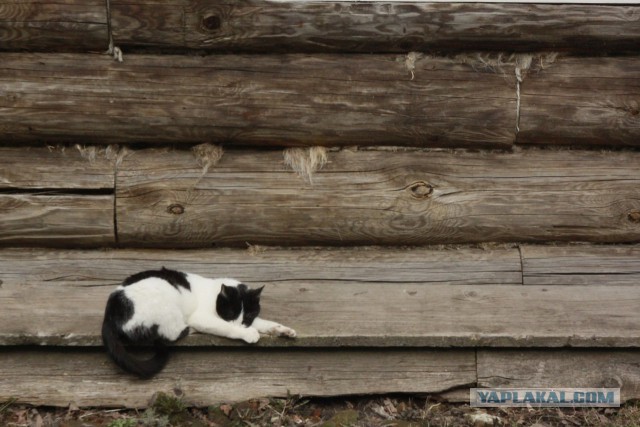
226, 409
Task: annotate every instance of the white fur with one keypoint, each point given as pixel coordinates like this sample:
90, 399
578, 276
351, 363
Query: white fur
158, 303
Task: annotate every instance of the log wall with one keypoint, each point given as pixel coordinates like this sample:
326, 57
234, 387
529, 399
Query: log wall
444, 84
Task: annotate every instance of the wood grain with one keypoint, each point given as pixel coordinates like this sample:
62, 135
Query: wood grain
561, 368
59, 377
57, 168
326, 313
56, 220
577, 101
60, 25
261, 100
581, 265
259, 26
90, 268
375, 197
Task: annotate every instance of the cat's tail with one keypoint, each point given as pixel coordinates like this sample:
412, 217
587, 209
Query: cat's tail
112, 339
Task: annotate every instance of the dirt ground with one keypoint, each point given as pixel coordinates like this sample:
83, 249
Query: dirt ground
400, 411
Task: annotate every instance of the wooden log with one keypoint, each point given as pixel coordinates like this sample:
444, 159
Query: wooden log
61, 377
594, 101
262, 100
65, 306
581, 265
58, 169
56, 220
263, 265
561, 368
371, 197
60, 25
259, 26
57, 196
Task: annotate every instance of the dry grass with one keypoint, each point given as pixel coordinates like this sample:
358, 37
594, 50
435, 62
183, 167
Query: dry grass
207, 156
306, 161
293, 411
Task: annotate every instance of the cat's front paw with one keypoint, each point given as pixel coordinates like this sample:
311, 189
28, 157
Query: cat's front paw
283, 331
251, 335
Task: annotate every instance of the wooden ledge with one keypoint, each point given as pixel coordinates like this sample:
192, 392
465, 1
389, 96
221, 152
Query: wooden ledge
402, 299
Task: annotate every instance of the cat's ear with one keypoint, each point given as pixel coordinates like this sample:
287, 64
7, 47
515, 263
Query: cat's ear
224, 291
257, 291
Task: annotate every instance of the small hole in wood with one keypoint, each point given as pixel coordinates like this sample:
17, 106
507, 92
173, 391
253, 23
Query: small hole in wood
211, 23
634, 216
420, 190
175, 209
635, 112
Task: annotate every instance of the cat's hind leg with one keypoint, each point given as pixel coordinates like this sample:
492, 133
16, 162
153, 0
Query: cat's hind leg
272, 328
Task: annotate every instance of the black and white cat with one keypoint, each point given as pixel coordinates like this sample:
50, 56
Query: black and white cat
159, 306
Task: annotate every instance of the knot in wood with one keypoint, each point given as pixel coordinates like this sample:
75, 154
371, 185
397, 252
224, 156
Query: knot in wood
175, 209
420, 190
634, 216
211, 23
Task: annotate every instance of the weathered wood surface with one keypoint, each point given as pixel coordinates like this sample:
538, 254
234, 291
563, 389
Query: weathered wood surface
581, 265
561, 368
57, 196
261, 100
382, 312
57, 168
575, 101
89, 379
61, 25
372, 197
259, 26
261, 265
56, 220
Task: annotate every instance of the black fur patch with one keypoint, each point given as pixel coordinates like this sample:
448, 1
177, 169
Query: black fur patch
233, 301
177, 279
119, 309
229, 303
250, 304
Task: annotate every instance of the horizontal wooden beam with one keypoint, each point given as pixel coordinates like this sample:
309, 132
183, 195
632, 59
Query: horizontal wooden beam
260, 100
374, 197
374, 26
56, 220
580, 101
324, 99
81, 377
87, 378
57, 168
60, 25
57, 196
549, 368
45, 293
581, 265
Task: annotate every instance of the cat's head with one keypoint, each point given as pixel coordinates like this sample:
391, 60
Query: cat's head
234, 301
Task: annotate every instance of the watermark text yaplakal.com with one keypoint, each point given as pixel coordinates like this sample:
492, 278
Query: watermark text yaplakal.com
545, 397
